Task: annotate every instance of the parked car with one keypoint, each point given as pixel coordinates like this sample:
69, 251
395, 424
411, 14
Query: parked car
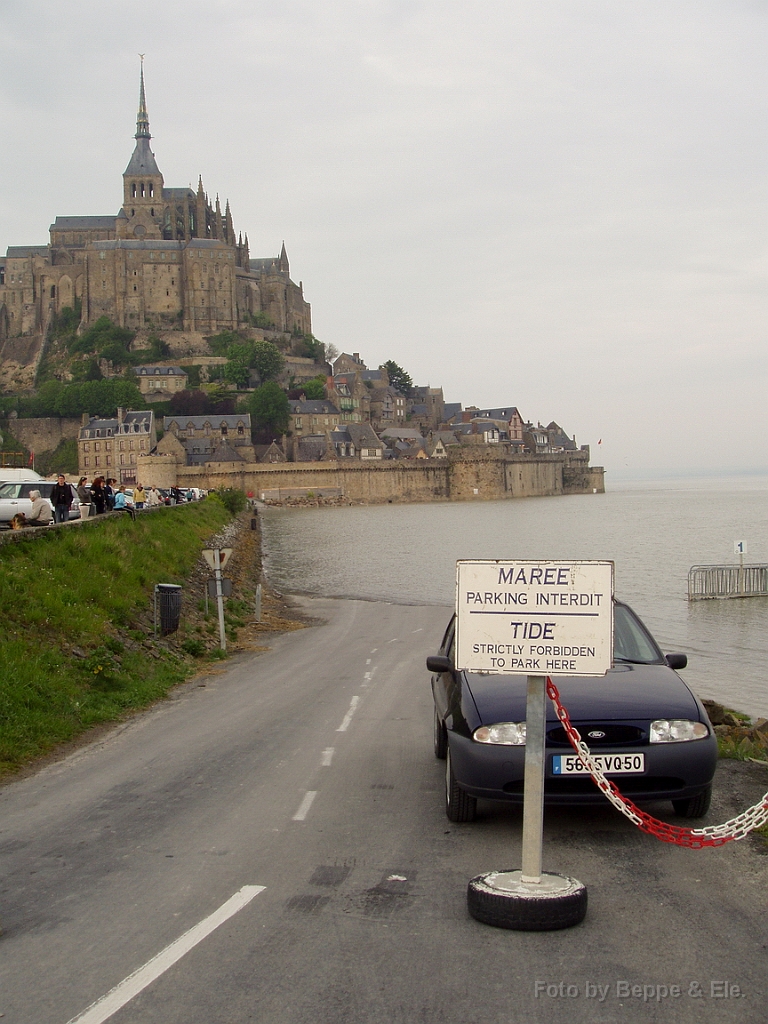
652, 733
14, 497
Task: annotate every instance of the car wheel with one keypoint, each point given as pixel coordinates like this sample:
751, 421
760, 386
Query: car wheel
440, 737
694, 806
459, 806
555, 902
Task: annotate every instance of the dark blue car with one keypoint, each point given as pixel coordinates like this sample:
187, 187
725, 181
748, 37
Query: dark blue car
651, 733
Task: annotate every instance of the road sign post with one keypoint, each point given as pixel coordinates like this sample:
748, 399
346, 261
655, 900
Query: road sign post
217, 558
538, 619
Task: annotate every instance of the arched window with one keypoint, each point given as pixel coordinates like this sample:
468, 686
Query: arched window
133, 190
151, 191
142, 190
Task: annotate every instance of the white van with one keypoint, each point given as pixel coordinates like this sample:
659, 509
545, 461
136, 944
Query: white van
17, 476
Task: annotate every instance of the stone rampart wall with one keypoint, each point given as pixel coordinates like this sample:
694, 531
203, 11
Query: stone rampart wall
43, 434
461, 479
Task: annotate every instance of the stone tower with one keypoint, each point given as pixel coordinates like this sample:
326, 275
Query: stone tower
142, 181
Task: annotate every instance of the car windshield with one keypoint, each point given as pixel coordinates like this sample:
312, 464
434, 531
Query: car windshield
631, 643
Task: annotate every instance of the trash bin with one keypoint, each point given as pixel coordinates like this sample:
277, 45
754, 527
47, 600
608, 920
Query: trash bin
168, 603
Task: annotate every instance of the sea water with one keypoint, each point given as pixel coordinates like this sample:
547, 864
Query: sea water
653, 532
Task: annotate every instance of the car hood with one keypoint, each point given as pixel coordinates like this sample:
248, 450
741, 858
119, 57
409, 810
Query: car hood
626, 692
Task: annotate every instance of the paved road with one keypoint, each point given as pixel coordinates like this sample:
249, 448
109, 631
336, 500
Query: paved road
308, 771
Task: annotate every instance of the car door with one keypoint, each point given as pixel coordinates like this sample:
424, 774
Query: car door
444, 684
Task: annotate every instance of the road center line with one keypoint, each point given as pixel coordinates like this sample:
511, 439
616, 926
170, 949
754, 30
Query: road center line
348, 717
304, 806
327, 757
114, 1000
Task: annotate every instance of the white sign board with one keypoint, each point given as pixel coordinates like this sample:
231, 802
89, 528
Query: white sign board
740, 547
209, 554
534, 618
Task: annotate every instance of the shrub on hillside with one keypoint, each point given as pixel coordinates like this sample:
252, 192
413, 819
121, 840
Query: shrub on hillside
233, 500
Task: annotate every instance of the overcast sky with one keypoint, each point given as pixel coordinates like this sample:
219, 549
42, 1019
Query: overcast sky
553, 204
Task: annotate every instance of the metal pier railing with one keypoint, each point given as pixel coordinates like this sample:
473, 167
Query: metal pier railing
708, 582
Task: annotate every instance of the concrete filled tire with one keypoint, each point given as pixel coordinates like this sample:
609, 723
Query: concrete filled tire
557, 903
459, 806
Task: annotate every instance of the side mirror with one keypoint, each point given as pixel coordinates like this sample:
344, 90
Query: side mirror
676, 660
438, 663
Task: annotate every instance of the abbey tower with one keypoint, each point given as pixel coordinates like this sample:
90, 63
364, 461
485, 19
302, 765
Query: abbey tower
169, 258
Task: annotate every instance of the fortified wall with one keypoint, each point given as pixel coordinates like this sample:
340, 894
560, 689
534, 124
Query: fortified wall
464, 476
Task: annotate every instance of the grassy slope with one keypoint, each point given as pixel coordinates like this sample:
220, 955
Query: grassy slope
75, 617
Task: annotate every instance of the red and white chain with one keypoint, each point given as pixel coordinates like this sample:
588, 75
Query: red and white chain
695, 838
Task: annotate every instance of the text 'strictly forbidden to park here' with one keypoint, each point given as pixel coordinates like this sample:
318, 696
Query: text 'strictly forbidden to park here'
534, 618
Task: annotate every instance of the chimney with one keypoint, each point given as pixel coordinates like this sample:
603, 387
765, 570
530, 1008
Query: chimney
85, 419
120, 414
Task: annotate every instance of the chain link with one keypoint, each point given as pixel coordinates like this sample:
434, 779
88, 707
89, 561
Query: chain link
694, 838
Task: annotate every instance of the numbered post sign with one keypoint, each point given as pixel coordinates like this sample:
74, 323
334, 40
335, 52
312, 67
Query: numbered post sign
534, 618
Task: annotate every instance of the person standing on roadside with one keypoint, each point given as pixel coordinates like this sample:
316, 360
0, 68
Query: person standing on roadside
84, 497
99, 495
109, 492
61, 498
139, 497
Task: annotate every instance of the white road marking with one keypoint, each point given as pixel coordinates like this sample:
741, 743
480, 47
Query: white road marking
367, 661
348, 717
419, 630
327, 757
113, 1001
304, 806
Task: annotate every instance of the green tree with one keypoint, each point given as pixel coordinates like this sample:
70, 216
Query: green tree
219, 343
314, 389
398, 378
267, 360
268, 406
236, 372
312, 348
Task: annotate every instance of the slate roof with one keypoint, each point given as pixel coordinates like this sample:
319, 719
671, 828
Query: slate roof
224, 452
312, 406
159, 371
142, 160
23, 251
229, 420
403, 433
135, 422
83, 224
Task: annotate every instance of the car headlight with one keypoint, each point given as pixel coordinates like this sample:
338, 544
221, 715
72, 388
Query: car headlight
676, 730
506, 734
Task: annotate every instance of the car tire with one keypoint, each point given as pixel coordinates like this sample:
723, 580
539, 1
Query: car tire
440, 737
459, 806
564, 907
694, 806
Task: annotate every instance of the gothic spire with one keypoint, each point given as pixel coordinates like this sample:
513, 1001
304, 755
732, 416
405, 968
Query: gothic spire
142, 163
142, 118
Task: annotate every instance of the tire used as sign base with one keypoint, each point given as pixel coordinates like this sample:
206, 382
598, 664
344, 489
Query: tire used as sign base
503, 900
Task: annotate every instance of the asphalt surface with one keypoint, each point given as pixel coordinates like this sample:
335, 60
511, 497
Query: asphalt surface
309, 771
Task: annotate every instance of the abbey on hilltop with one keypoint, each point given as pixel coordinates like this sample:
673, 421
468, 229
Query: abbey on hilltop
170, 258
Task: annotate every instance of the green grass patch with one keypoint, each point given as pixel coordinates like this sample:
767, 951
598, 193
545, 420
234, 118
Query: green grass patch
76, 622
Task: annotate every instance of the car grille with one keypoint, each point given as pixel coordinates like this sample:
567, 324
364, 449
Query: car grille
623, 735
584, 785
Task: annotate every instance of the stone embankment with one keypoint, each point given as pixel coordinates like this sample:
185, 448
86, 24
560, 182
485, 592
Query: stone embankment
737, 731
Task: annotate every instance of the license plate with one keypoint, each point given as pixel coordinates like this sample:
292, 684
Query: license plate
610, 764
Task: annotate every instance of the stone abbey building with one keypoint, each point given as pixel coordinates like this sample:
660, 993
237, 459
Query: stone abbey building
170, 258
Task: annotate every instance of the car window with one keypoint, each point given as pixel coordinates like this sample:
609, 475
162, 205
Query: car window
631, 641
10, 490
